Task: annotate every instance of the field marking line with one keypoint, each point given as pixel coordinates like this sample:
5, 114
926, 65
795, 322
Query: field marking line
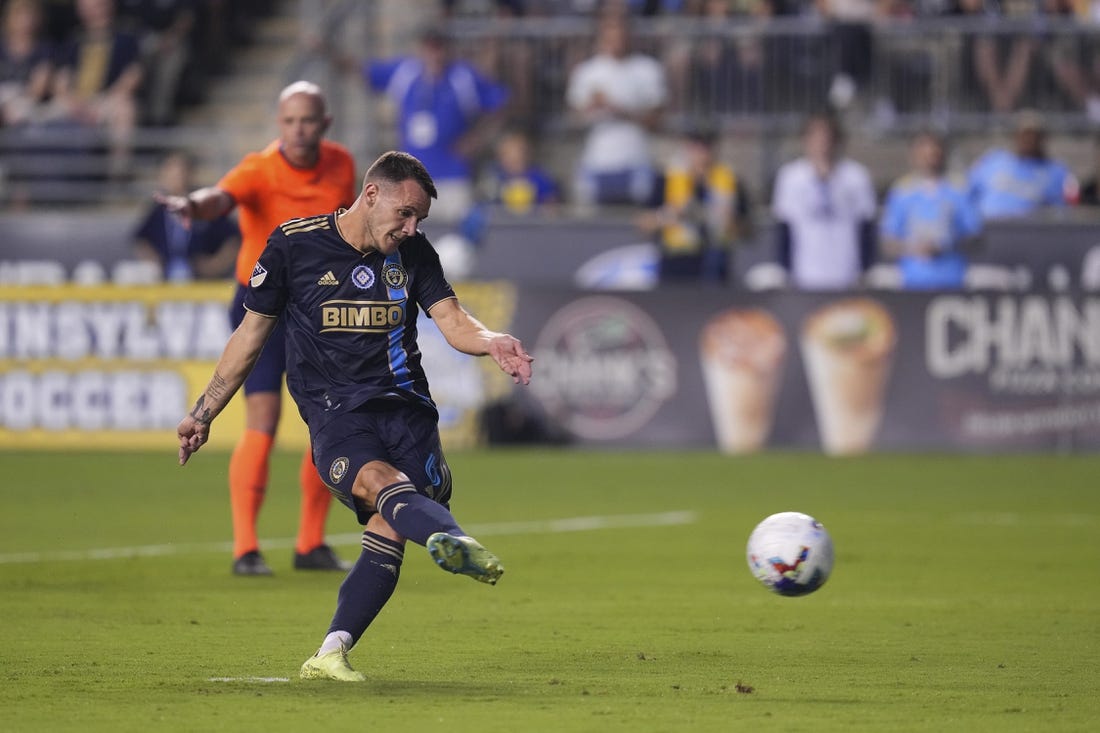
542, 526
248, 679
1013, 519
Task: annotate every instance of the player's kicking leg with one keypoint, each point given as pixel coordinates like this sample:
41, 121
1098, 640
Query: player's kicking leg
464, 556
420, 515
426, 522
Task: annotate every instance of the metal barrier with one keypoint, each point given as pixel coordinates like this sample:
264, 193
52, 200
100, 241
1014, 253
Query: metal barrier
757, 76
62, 165
765, 74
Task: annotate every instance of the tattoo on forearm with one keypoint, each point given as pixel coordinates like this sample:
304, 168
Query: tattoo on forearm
216, 392
217, 387
200, 412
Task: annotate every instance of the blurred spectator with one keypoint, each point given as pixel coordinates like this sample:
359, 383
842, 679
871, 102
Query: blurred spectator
928, 221
1010, 183
516, 182
59, 20
326, 29
479, 8
849, 23
598, 7
98, 80
502, 54
197, 250
447, 112
907, 65
711, 71
824, 205
619, 96
1070, 62
996, 64
164, 30
703, 210
221, 26
25, 64
1090, 185
798, 58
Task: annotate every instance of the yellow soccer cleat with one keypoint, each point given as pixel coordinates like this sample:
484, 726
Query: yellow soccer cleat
331, 666
464, 556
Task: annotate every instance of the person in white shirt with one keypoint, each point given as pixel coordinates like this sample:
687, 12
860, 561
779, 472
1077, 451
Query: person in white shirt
619, 95
825, 210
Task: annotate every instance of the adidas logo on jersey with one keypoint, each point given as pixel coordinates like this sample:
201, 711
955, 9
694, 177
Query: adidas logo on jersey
328, 279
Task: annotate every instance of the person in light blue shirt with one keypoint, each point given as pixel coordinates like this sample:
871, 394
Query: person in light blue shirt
446, 109
928, 221
1012, 183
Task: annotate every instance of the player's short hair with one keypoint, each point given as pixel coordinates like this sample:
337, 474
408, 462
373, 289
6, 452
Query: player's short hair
396, 167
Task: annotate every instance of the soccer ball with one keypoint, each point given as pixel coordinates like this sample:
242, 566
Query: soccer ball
790, 553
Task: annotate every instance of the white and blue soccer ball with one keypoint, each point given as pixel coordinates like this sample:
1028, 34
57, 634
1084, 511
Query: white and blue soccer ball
790, 553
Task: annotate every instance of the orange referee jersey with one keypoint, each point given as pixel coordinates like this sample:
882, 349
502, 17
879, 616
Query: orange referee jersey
269, 190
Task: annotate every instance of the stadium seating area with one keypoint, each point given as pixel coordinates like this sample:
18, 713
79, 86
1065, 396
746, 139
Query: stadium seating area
751, 69
61, 140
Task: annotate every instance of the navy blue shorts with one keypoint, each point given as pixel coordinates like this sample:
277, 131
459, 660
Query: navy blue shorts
403, 434
267, 375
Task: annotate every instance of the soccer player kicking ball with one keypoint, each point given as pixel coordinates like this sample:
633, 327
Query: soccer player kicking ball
348, 286
298, 174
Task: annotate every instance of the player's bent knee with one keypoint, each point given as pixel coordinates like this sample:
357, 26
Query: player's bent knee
372, 478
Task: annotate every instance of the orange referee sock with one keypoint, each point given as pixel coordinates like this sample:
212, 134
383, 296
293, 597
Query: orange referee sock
315, 502
248, 471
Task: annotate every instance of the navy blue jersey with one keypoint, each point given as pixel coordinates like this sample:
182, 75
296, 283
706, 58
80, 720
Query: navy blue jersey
350, 317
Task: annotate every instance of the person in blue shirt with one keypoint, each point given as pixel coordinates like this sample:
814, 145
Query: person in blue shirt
446, 110
204, 249
928, 221
1012, 183
349, 286
519, 184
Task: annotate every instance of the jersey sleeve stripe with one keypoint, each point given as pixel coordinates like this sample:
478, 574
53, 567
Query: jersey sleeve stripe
304, 225
265, 315
428, 309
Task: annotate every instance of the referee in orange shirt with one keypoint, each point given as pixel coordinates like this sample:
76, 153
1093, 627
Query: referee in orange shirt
299, 174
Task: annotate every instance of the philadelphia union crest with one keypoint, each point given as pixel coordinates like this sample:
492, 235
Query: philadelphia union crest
339, 469
394, 276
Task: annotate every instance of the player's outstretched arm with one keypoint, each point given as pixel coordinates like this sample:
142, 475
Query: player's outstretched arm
236, 362
468, 335
203, 204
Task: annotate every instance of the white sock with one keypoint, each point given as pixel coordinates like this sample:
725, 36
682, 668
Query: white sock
335, 641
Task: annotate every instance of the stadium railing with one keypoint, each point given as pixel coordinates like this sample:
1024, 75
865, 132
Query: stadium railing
917, 75
918, 72
55, 166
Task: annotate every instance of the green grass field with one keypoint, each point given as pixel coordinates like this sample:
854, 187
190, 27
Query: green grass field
966, 597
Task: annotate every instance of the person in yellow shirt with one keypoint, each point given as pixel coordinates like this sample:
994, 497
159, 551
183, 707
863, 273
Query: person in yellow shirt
702, 210
98, 78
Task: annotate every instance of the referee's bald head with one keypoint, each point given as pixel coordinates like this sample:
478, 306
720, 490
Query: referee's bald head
307, 88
